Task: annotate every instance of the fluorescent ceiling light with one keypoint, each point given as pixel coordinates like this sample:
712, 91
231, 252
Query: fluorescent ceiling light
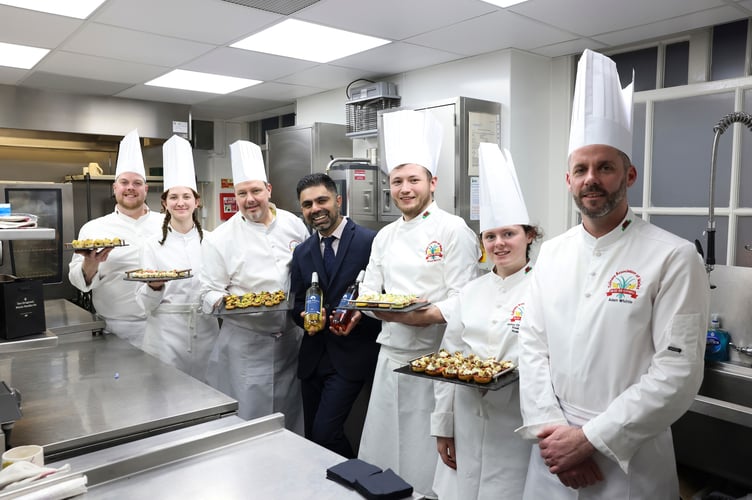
311, 42
71, 8
505, 3
20, 56
201, 82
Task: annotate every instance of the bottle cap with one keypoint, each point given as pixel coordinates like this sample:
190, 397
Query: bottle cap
315, 277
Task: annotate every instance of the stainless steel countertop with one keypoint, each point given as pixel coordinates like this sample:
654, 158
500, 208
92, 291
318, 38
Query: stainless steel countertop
90, 392
229, 458
63, 316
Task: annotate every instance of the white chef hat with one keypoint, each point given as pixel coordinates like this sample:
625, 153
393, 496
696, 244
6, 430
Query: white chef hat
412, 137
501, 200
247, 162
129, 157
177, 162
601, 109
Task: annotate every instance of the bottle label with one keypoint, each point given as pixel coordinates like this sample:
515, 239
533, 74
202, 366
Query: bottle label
313, 304
346, 298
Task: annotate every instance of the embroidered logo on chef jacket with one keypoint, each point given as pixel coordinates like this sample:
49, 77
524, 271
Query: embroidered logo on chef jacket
623, 286
293, 244
434, 252
516, 317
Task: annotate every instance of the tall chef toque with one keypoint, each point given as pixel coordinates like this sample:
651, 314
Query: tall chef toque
501, 200
412, 137
129, 157
601, 109
177, 161
247, 162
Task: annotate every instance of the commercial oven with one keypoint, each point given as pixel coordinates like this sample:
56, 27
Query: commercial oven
45, 260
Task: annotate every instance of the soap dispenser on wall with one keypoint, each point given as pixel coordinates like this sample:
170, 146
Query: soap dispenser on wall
716, 341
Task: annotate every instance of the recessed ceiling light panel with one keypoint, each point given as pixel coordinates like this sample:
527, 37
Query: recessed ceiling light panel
201, 82
20, 56
308, 41
504, 3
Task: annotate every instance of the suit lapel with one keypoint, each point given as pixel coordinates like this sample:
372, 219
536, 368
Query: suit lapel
344, 244
318, 260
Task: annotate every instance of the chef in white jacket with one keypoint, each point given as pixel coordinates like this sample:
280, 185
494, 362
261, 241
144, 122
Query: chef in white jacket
480, 456
614, 329
256, 355
177, 332
432, 254
102, 272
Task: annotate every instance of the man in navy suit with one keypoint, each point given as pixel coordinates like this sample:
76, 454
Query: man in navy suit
333, 364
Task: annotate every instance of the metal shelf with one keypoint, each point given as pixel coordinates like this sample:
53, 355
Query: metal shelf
31, 233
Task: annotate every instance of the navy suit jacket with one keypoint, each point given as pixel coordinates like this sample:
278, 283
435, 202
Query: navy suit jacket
354, 356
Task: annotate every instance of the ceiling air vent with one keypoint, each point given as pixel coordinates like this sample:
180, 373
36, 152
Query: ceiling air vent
284, 7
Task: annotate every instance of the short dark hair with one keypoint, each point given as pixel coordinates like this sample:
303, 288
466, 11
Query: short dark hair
316, 179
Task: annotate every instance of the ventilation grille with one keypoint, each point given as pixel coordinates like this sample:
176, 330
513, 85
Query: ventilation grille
284, 7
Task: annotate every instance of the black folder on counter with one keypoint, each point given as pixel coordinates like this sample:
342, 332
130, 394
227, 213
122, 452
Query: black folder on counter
369, 480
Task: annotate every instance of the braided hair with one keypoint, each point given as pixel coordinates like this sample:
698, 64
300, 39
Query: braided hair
168, 217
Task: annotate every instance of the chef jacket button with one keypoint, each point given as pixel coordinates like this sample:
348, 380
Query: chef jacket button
587, 295
597, 254
494, 322
592, 274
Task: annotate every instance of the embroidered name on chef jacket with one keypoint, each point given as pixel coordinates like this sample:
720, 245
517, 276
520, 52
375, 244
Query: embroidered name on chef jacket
623, 286
434, 252
516, 317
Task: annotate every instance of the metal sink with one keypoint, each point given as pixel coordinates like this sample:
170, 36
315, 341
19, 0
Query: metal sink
726, 393
715, 435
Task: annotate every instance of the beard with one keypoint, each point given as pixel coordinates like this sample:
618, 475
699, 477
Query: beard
610, 202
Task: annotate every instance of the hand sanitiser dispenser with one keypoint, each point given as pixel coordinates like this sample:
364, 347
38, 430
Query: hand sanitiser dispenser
717, 341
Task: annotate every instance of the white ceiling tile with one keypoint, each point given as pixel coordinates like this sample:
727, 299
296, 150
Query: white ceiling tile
12, 76
162, 94
676, 25
324, 76
496, 31
48, 30
98, 68
569, 47
393, 19
212, 22
396, 58
73, 85
247, 64
128, 45
589, 17
277, 91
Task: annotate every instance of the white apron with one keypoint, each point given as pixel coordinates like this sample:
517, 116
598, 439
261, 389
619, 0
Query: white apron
396, 432
259, 370
654, 460
181, 336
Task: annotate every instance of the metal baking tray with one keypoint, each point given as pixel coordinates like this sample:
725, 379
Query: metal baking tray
183, 274
285, 305
387, 307
501, 379
96, 247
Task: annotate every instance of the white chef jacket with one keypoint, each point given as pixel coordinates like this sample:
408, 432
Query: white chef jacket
255, 357
432, 255
491, 459
114, 298
613, 340
177, 332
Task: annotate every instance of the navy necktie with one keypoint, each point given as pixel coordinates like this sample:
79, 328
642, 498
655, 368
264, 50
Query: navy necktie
329, 256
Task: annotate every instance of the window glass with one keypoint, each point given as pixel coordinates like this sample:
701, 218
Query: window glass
692, 227
643, 62
634, 194
745, 172
729, 47
744, 231
682, 147
676, 67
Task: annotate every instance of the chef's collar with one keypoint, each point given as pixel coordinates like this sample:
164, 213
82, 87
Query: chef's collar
146, 212
626, 224
425, 214
516, 276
